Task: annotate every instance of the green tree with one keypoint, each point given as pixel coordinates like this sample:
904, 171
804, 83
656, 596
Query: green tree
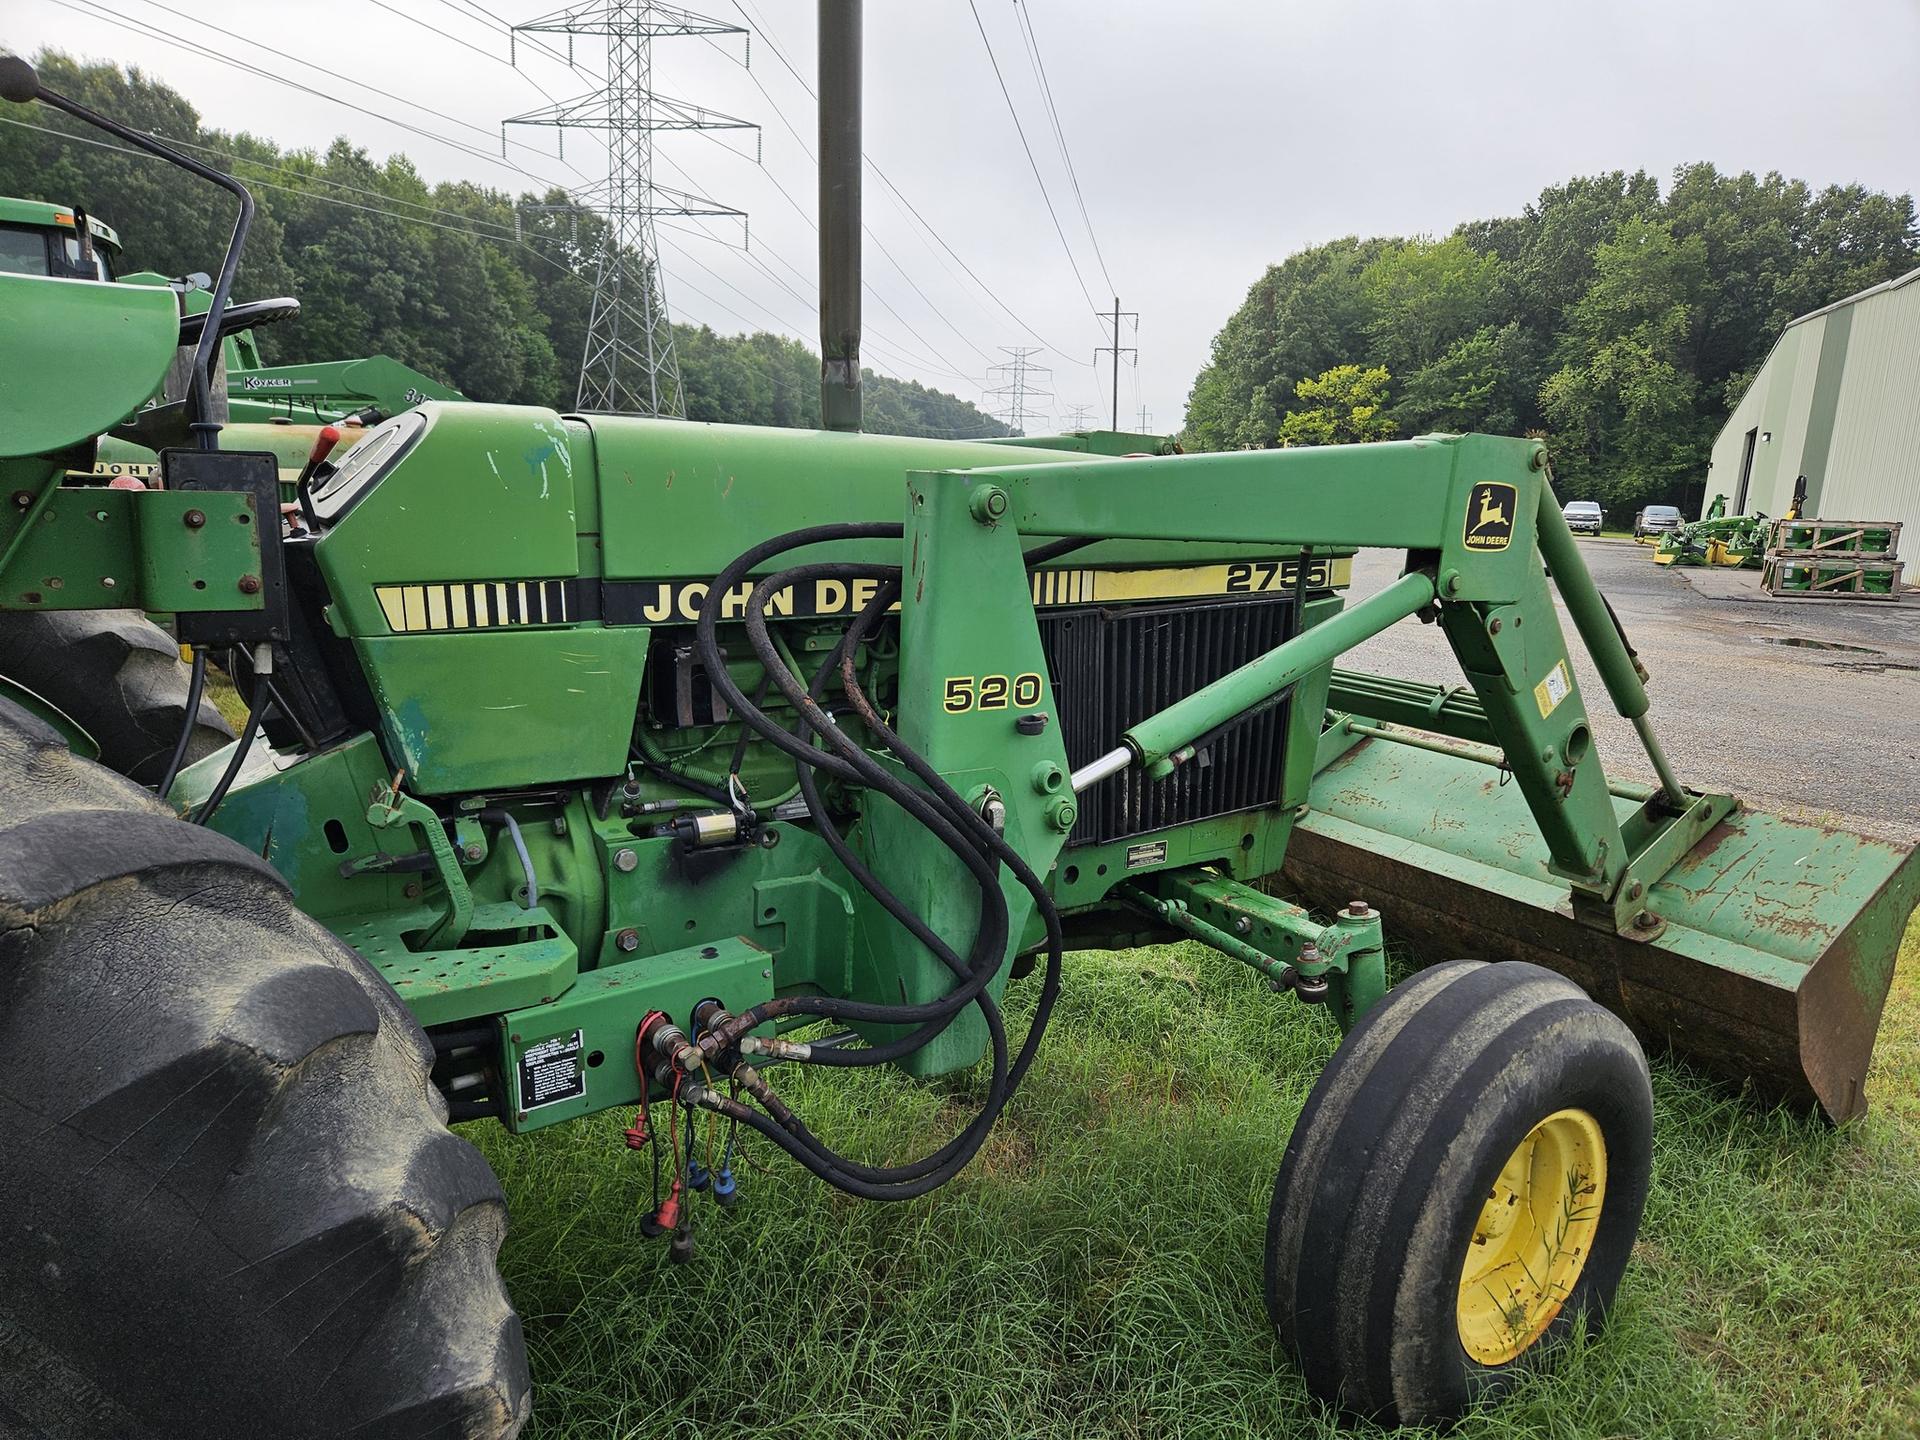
1619, 322
1302, 316
1623, 404
1423, 296
1341, 406
1475, 385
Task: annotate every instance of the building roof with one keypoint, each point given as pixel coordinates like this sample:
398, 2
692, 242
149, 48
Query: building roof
1885, 285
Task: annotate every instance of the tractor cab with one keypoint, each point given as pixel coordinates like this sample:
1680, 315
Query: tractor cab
59, 241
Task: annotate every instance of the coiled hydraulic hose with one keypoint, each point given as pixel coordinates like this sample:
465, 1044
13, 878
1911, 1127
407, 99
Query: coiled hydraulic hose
943, 812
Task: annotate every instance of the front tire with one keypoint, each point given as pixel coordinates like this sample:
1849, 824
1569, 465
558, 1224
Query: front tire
1462, 1190
231, 1204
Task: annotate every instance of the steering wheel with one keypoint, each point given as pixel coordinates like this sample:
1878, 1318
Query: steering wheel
239, 317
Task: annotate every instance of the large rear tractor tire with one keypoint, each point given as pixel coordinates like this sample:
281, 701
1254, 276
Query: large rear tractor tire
1461, 1191
119, 675
229, 1200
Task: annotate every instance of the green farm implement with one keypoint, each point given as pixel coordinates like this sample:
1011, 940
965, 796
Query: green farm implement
1738, 541
600, 762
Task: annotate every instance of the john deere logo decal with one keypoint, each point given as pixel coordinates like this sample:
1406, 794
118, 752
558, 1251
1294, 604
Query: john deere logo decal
1490, 511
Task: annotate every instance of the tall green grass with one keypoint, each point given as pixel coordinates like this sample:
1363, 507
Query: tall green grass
1096, 1271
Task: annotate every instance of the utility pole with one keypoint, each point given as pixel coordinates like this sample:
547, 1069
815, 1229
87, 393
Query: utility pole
1116, 349
840, 32
629, 365
1146, 421
1017, 387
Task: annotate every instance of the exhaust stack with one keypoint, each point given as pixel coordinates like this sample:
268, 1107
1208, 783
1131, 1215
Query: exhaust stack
840, 214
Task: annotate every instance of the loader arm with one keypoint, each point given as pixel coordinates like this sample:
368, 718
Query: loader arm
1760, 945
1476, 517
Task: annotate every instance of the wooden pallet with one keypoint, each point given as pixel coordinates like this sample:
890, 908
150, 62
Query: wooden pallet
1858, 539
1796, 574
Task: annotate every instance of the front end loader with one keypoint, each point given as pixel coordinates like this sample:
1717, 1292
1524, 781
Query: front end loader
596, 762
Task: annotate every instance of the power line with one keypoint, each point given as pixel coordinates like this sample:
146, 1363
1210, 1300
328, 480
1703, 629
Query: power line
152, 32
1059, 135
950, 367
1021, 130
767, 37
866, 229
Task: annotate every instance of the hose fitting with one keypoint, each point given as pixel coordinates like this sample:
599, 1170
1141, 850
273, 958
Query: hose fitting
775, 1049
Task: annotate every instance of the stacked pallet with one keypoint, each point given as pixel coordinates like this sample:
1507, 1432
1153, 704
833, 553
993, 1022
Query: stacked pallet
1841, 559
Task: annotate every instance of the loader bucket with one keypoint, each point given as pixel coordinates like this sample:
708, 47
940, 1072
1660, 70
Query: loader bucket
1772, 964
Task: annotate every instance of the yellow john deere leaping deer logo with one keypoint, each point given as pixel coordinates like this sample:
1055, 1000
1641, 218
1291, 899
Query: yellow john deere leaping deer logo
1490, 512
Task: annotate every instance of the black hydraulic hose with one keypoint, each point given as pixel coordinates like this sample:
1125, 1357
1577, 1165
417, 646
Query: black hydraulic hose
939, 822
894, 1182
261, 705
990, 938
962, 1144
196, 687
707, 642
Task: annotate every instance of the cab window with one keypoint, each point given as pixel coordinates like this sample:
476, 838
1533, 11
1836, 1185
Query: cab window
22, 251
70, 253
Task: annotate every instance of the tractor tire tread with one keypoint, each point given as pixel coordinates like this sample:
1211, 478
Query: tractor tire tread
240, 1210
120, 675
1397, 1145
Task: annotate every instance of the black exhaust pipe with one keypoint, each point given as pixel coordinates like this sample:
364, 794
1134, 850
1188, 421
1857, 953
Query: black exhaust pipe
840, 214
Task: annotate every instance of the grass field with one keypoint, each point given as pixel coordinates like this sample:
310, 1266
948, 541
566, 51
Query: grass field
1096, 1271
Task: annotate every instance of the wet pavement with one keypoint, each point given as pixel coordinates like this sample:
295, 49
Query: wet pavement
1799, 707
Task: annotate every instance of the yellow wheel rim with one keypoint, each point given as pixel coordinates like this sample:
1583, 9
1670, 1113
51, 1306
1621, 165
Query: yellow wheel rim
1532, 1237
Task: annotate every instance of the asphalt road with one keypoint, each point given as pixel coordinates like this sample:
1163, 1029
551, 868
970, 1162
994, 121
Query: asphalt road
1805, 708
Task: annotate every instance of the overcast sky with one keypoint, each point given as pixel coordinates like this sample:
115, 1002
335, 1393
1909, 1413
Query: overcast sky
1209, 139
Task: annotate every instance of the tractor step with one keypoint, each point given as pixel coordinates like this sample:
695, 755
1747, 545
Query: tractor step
1768, 961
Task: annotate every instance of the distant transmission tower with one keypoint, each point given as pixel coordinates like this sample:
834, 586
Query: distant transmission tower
628, 365
1146, 421
1017, 387
1079, 417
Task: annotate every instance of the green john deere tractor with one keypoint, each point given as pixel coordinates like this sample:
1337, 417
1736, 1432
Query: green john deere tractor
595, 762
276, 407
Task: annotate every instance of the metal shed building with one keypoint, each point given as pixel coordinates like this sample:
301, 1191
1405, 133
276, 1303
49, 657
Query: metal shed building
1837, 400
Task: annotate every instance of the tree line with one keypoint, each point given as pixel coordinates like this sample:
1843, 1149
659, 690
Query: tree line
487, 291
1620, 323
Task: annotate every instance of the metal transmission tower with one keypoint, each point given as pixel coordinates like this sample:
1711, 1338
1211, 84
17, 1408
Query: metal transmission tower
629, 364
1079, 417
1017, 387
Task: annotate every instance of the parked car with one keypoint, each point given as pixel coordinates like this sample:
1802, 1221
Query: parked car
1583, 516
1655, 520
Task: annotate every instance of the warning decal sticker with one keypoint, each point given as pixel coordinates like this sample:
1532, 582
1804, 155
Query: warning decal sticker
1551, 691
550, 1071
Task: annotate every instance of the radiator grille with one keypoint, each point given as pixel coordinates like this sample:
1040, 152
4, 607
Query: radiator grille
1111, 667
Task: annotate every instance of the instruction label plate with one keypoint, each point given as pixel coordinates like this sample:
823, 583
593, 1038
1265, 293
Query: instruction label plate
550, 1071
1551, 691
1153, 852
